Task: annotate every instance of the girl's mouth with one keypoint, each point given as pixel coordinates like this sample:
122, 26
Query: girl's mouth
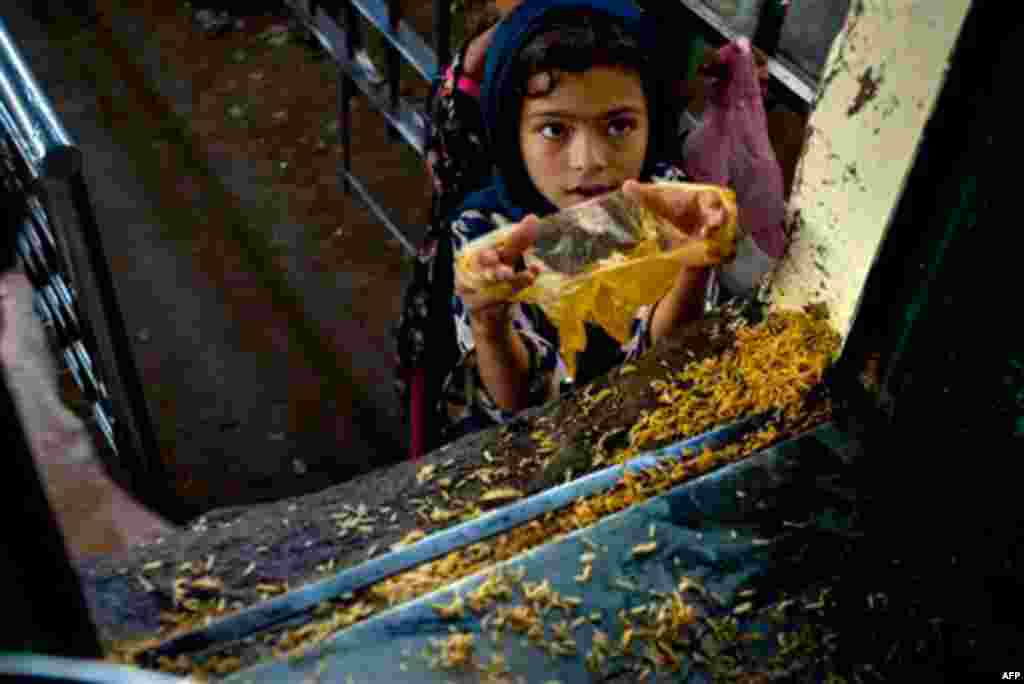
589, 191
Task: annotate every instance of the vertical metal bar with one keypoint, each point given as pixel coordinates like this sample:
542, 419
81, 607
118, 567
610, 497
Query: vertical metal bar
769, 25
44, 605
353, 29
136, 409
345, 93
344, 127
442, 33
394, 65
137, 463
30, 119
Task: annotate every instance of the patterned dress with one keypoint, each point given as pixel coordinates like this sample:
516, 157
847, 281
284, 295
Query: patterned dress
458, 164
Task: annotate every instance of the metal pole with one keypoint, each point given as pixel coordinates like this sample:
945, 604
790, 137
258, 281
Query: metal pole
345, 93
394, 65
151, 480
30, 119
769, 25
442, 33
53, 171
344, 124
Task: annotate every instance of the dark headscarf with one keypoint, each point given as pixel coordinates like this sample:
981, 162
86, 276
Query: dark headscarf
511, 192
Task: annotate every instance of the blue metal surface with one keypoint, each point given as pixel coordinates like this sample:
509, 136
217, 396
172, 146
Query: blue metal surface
295, 603
41, 668
726, 530
413, 48
404, 118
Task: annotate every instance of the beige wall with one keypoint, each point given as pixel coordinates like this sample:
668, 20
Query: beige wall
879, 88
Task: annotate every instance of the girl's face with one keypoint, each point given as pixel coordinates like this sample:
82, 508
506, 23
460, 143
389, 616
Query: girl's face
587, 136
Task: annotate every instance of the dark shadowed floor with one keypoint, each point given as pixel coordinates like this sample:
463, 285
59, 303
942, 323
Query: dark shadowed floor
258, 296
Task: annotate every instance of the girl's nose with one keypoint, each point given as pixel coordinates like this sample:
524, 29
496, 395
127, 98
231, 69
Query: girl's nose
587, 152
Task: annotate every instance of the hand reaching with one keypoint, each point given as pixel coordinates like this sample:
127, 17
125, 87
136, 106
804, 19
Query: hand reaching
487, 279
696, 213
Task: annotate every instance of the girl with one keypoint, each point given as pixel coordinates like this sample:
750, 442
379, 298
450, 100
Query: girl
458, 162
573, 106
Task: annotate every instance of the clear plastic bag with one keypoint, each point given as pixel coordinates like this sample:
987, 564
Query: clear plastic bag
602, 260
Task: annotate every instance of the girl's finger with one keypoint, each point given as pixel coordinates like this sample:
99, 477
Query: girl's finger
520, 239
711, 210
522, 280
669, 203
464, 289
488, 258
503, 272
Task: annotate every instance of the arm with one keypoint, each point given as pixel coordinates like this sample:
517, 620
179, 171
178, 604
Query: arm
93, 512
683, 303
502, 357
502, 360
696, 215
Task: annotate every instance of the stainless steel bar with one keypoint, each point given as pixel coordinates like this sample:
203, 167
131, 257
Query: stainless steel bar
30, 119
345, 127
124, 358
404, 39
769, 25
381, 214
105, 425
394, 64
72, 363
57, 247
442, 33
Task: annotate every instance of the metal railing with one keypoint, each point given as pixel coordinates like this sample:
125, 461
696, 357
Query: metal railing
405, 118
60, 247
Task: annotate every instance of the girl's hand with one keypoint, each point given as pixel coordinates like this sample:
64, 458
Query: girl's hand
696, 213
488, 313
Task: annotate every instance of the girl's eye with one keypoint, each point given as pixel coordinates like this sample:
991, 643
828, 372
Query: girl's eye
552, 131
618, 128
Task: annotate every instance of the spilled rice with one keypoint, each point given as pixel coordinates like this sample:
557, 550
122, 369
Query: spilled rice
773, 366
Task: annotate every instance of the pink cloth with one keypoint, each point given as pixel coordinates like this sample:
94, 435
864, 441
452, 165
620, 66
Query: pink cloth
466, 84
94, 514
732, 148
